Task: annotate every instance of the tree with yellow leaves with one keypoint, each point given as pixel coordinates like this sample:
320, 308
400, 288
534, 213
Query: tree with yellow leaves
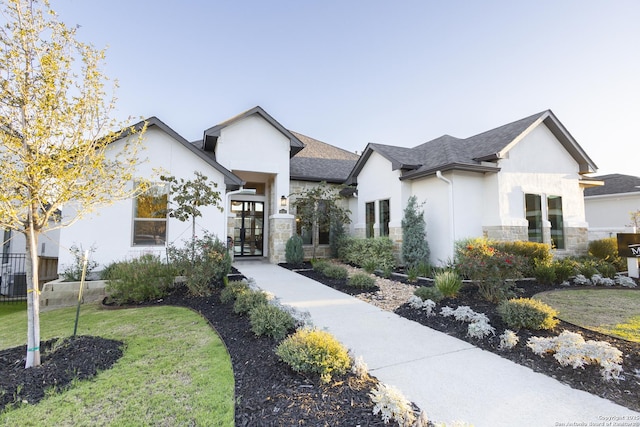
55, 135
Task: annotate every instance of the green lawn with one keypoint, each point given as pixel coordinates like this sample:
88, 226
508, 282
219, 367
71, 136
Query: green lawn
175, 370
614, 312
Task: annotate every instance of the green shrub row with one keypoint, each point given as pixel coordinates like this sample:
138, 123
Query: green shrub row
361, 281
359, 252
138, 280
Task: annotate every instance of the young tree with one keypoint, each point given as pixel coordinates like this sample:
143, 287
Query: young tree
635, 220
415, 248
189, 196
317, 208
54, 136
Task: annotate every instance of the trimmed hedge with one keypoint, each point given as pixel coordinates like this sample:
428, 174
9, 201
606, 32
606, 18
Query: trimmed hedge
359, 252
527, 313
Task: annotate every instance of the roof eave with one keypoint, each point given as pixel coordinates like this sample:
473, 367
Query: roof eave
451, 166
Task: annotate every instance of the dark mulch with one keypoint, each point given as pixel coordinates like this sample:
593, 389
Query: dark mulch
268, 392
62, 361
624, 392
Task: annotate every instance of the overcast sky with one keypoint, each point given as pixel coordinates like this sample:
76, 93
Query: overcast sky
392, 72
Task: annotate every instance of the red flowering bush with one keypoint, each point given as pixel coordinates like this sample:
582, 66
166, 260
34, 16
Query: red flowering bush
490, 268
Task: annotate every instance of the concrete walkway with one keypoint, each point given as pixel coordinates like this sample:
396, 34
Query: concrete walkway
447, 378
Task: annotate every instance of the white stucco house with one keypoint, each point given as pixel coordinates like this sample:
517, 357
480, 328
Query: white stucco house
255, 162
608, 207
523, 180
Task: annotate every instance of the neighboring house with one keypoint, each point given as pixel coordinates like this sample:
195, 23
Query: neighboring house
251, 151
520, 181
13, 261
608, 208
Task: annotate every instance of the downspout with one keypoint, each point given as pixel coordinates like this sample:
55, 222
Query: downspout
452, 229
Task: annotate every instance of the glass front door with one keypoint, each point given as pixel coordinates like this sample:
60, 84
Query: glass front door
248, 229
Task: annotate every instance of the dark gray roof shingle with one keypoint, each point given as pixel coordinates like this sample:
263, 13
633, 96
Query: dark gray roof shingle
614, 184
319, 161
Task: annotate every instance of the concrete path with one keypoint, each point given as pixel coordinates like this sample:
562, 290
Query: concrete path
448, 378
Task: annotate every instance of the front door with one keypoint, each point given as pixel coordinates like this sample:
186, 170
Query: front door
249, 228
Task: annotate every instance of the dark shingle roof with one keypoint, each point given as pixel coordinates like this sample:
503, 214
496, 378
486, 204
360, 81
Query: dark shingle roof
448, 152
319, 161
614, 184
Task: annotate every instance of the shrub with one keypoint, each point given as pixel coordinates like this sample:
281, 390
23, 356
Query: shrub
361, 281
204, 261
532, 252
357, 251
313, 351
527, 313
391, 404
606, 269
424, 269
429, 292
565, 269
508, 340
570, 348
587, 268
73, 272
245, 301
607, 250
369, 266
545, 273
267, 319
412, 275
232, 290
489, 267
448, 283
319, 265
415, 248
138, 280
294, 254
335, 272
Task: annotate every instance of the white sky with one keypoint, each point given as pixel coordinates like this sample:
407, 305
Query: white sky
392, 72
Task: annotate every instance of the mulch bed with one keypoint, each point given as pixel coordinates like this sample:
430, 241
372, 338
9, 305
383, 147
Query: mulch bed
625, 392
79, 357
268, 392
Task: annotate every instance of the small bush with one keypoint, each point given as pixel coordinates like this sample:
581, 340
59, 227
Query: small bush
232, 290
335, 272
587, 268
448, 283
319, 265
361, 281
294, 253
369, 265
412, 275
312, 351
606, 269
245, 301
545, 273
391, 404
424, 269
138, 280
267, 319
73, 273
527, 313
204, 261
429, 292
565, 269
607, 250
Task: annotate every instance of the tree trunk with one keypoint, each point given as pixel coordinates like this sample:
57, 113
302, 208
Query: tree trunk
33, 298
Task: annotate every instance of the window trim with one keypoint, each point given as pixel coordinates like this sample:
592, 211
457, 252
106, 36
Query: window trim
384, 222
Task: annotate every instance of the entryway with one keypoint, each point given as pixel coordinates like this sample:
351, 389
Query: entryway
248, 230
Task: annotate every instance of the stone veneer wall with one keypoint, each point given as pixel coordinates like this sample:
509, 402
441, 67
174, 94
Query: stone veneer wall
576, 241
505, 232
281, 228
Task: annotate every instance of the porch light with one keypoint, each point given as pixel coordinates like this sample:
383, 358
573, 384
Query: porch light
283, 202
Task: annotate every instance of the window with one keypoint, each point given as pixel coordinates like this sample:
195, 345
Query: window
554, 206
6, 246
150, 217
384, 217
533, 209
370, 217
323, 227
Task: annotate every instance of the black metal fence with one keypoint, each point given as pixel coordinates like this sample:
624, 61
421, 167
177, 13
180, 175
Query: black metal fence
13, 278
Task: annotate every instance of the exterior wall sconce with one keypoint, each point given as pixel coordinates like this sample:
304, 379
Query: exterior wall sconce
283, 205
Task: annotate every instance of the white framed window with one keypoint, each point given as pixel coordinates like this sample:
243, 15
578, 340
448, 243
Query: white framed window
537, 210
150, 217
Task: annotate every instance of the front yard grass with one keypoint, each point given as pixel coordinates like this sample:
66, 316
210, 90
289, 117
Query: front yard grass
614, 312
175, 370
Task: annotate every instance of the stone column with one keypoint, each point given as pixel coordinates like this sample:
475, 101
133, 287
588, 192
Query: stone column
281, 228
